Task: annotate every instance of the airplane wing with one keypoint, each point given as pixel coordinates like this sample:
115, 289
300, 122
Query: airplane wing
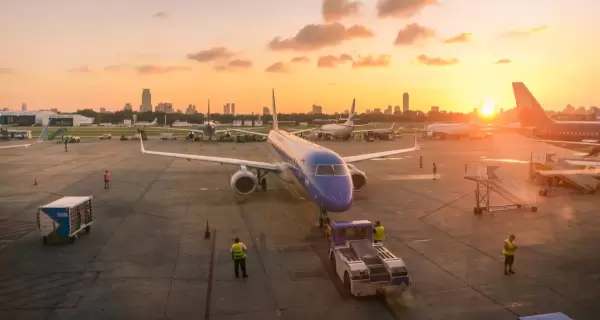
17, 146
375, 130
239, 162
305, 130
587, 163
250, 132
571, 142
187, 130
40, 139
592, 172
364, 125
369, 156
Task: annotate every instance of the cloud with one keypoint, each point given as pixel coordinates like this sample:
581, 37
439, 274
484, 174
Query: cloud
6, 70
299, 59
81, 69
160, 15
372, 61
401, 8
319, 36
278, 67
503, 61
234, 65
463, 37
523, 33
213, 54
331, 61
436, 61
412, 33
154, 69
335, 10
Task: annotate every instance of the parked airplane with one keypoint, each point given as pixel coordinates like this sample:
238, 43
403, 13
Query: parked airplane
455, 130
40, 139
146, 123
339, 131
209, 128
327, 178
576, 133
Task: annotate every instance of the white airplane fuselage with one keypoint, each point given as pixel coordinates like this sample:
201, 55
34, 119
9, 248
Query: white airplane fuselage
342, 131
298, 159
452, 129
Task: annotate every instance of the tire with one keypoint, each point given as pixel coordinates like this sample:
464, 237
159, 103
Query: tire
347, 285
45, 240
72, 240
263, 184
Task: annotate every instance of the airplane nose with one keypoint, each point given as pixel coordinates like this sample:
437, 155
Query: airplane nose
336, 193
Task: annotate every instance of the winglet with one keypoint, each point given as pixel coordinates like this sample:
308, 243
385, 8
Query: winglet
275, 123
142, 144
208, 114
353, 104
43, 134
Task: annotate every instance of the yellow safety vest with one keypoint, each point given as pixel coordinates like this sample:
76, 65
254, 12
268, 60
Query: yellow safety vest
379, 236
511, 248
238, 251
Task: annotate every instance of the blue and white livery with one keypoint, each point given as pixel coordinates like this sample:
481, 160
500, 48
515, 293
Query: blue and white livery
40, 139
327, 178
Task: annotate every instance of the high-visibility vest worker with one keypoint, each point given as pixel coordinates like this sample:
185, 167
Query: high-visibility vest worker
379, 233
237, 250
509, 248
107, 176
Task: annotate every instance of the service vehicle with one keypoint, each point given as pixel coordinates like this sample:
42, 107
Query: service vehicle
65, 218
106, 136
365, 268
168, 136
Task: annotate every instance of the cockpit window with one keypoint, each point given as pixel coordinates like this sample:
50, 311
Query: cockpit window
331, 170
324, 170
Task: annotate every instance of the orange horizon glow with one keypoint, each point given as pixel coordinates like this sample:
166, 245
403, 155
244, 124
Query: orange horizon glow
102, 54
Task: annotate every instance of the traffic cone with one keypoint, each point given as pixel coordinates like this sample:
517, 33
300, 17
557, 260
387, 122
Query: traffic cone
35, 181
207, 231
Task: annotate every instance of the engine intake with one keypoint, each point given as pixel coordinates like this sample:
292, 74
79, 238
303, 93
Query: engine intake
244, 182
359, 178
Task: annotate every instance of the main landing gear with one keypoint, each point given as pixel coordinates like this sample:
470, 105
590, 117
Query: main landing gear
323, 216
262, 181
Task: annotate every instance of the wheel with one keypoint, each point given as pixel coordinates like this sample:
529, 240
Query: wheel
332, 259
347, 284
263, 184
72, 240
45, 240
88, 229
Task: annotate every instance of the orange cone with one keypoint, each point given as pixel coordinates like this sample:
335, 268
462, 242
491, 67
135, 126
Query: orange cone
35, 181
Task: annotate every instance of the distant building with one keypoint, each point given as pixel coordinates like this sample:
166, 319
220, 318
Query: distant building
191, 109
317, 109
388, 110
54, 110
164, 107
128, 107
266, 111
405, 102
346, 112
233, 109
146, 101
226, 108
397, 109
435, 109
24, 107
377, 110
102, 110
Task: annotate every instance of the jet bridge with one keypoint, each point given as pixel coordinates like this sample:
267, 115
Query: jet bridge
487, 182
551, 173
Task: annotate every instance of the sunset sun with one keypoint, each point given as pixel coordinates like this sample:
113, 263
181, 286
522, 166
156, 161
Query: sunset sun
487, 109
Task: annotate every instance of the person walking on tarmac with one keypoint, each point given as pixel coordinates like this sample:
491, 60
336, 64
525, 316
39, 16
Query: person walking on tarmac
421, 162
66, 141
509, 254
378, 232
327, 228
434, 171
238, 254
106, 179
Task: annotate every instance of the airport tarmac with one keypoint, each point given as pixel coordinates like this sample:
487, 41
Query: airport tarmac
146, 256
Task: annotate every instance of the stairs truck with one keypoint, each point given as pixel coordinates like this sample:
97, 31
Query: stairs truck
53, 135
365, 268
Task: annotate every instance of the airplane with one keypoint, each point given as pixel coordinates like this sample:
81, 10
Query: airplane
209, 128
146, 123
328, 179
340, 131
40, 139
455, 130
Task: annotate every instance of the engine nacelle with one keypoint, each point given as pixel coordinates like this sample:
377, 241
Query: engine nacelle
359, 178
191, 135
243, 182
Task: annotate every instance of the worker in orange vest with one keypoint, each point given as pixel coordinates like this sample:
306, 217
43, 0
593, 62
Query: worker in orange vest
106, 179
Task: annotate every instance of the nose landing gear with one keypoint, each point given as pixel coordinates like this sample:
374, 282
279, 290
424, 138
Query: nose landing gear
323, 216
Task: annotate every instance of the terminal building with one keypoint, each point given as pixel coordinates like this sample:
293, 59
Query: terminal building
41, 118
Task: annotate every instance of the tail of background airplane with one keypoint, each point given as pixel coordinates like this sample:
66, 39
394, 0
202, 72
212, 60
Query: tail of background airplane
155, 121
349, 121
44, 132
529, 110
275, 123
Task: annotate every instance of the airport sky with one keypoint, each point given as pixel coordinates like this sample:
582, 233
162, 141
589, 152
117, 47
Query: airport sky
75, 54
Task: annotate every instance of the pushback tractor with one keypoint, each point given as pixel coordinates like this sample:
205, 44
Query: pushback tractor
62, 220
365, 268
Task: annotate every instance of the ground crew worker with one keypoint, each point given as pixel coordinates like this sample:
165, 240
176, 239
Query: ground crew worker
434, 171
106, 179
378, 232
66, 141
421, 162
509, 254
238, 254
327, 228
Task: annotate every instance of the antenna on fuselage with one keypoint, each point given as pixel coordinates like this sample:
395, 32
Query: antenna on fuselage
275, 123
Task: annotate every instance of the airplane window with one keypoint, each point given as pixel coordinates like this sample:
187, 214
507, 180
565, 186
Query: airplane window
340, 170
324, 170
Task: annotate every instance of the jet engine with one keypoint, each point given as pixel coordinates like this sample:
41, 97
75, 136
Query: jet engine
191, 135
243, 181
359, 178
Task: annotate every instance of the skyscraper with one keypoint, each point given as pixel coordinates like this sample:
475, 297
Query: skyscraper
266, 111
233, 109
146, 101
405, 102
226, 108
24, 107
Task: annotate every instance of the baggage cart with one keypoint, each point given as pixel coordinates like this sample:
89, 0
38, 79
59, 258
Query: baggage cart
62, 220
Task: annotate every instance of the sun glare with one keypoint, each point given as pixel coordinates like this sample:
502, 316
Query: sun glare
487, 109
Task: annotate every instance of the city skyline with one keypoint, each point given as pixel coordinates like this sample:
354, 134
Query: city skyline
453, 54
